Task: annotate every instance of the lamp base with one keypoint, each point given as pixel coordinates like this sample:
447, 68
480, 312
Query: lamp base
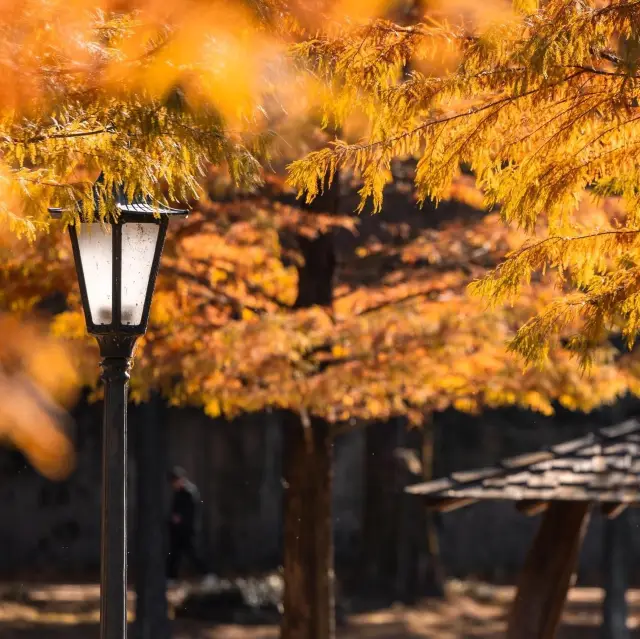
116, 345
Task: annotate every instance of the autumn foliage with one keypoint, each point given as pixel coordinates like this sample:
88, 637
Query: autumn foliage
144, 92
536, 105
541, 103
38, 382
403, 336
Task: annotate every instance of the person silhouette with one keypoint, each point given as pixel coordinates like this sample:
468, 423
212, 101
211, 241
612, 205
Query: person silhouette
184, 525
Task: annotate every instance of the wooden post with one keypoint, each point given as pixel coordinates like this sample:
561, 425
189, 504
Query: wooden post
546, 576
433, 580
615, 555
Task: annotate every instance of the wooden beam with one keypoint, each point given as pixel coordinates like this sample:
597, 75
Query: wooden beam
531, 508
611, 511
615, 554
547, 572
451, 504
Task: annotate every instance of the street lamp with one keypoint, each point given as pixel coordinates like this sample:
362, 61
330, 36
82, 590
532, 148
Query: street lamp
117, 263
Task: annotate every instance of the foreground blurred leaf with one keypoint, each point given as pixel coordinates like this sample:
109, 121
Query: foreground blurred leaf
37, 380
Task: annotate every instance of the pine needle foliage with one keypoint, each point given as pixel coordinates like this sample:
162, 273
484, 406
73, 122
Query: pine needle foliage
89, 89
543, 107
402, 338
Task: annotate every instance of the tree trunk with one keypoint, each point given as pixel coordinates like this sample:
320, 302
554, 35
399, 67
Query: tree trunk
616, 557
150, 449
548, 569
309, 607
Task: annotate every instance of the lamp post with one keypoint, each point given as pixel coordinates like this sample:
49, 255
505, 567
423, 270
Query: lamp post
117, 264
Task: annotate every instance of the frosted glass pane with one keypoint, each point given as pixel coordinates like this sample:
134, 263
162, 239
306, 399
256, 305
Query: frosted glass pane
138, 248
95, 244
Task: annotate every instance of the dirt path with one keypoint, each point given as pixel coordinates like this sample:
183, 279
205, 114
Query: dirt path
469, 612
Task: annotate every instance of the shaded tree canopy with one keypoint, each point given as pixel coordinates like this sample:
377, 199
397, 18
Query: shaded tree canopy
402, 337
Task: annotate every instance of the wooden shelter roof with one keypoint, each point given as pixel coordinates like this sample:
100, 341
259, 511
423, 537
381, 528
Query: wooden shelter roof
603, 466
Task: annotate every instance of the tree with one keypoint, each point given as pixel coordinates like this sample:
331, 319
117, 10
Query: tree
388, 346
145, 94
399, 335
396, 334
540, 102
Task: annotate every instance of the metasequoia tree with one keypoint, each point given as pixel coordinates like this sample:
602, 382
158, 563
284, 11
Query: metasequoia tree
145, 93
133, 95
398, 335
393, 334
541, 103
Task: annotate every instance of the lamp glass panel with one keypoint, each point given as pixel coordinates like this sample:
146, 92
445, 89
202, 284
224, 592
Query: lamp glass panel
139, 242
95, 244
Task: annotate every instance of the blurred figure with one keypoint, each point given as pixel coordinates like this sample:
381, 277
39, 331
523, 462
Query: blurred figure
184, 525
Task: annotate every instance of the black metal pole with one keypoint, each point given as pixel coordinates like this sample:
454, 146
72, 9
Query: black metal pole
152, 620
113, 577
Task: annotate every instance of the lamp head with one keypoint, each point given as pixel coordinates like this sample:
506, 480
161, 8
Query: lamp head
117, 264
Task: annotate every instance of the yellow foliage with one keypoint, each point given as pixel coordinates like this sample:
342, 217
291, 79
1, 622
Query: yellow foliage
541, 104
37, 379
70, 324
347, 12
405, 341
472, 15
337, 350
212, 408
147, 92
465, 405
533, 102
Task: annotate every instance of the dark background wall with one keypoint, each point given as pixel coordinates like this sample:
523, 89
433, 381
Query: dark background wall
51, 530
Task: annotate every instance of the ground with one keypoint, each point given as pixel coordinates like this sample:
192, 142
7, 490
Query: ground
470, 611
